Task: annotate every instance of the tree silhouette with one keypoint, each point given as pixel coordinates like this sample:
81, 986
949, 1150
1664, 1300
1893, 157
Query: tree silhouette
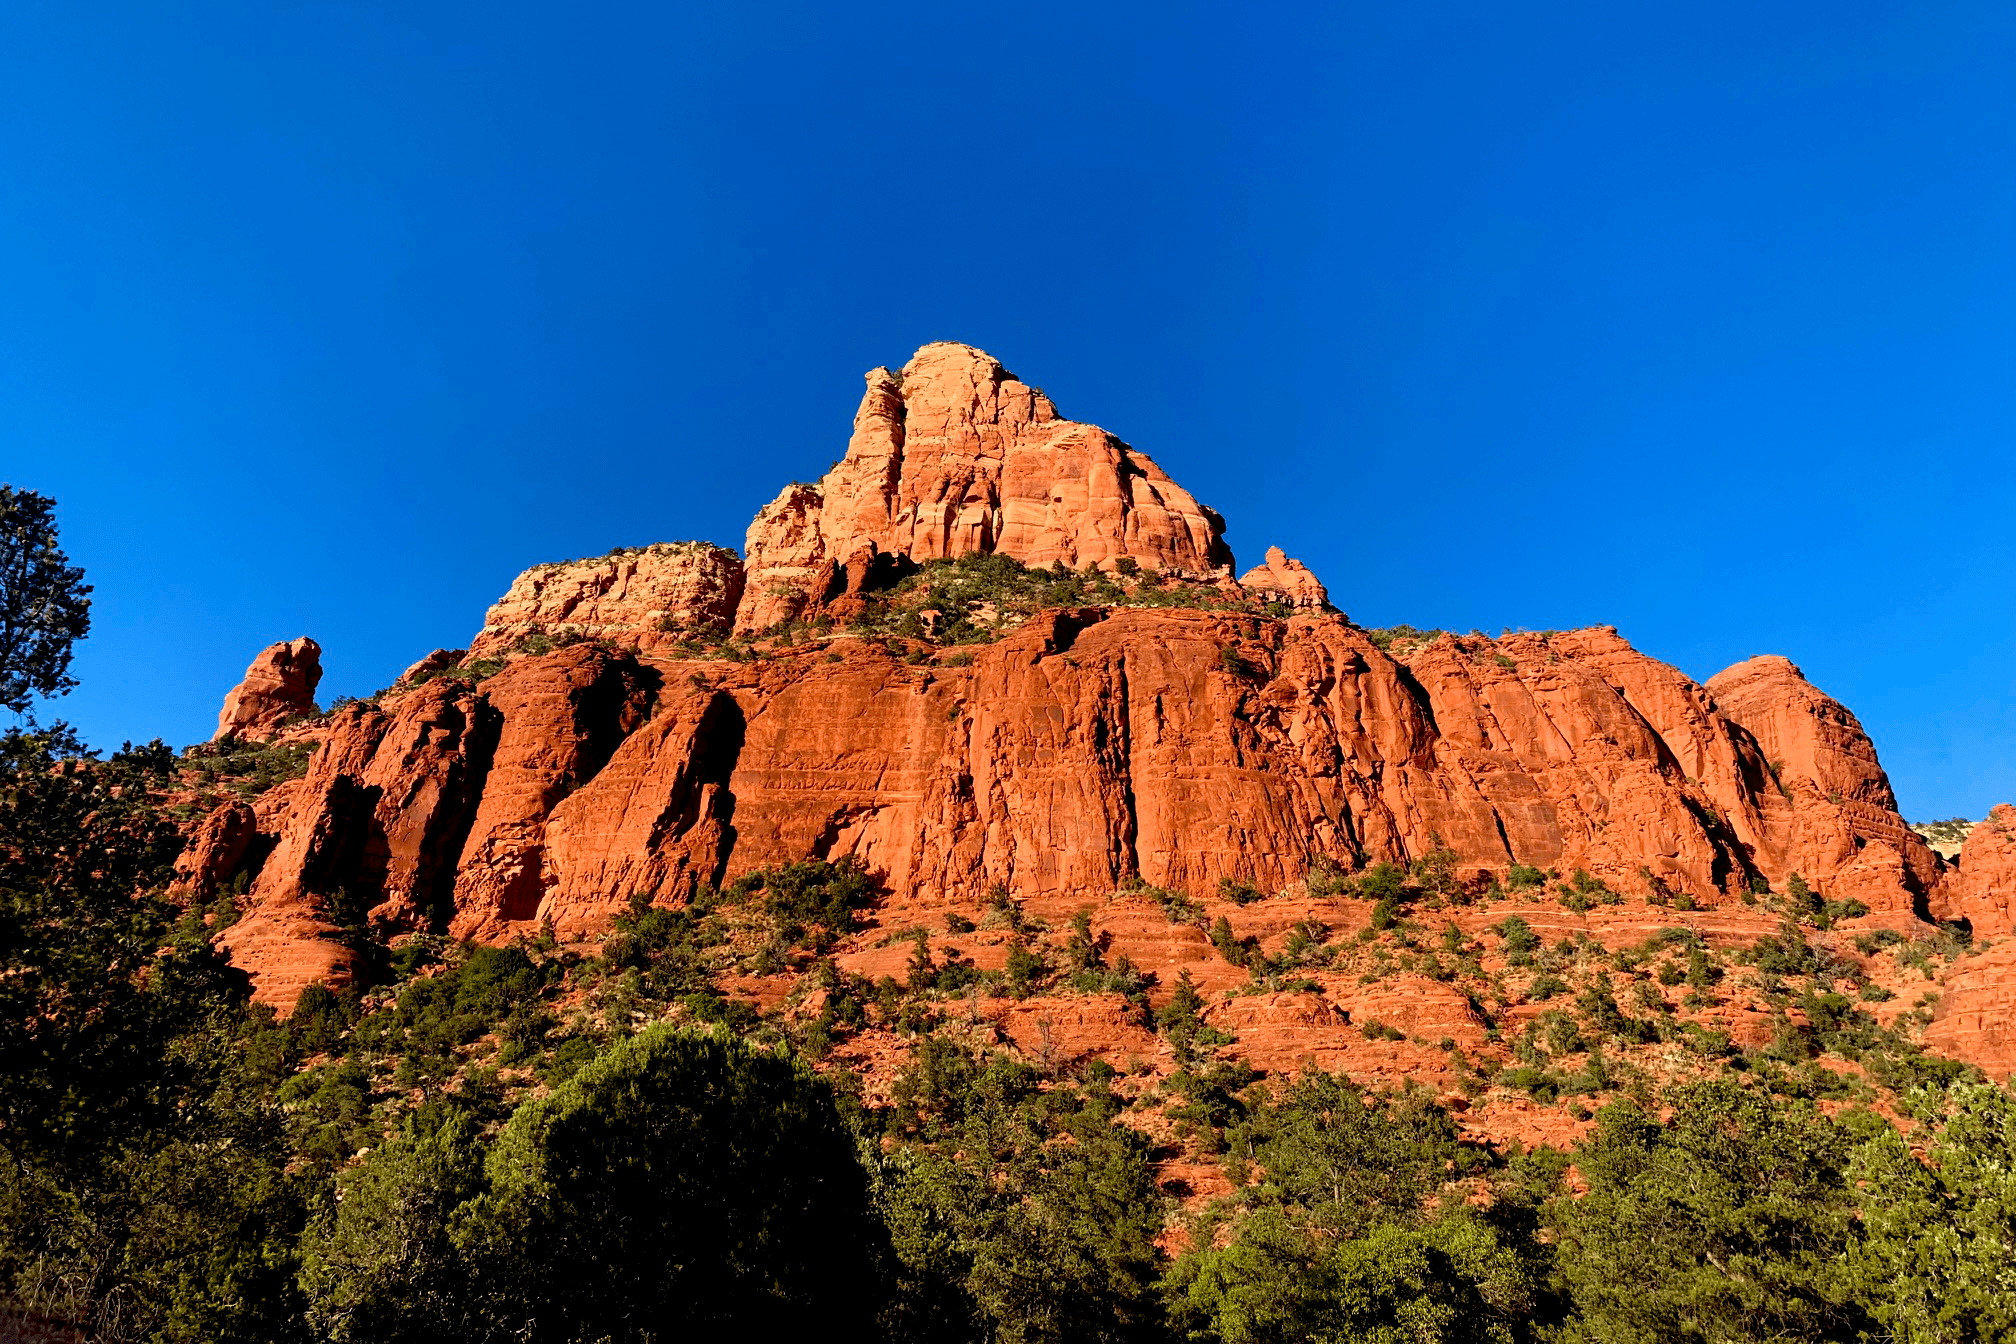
45, 605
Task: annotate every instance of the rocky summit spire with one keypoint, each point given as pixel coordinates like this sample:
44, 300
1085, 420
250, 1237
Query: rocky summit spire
952, 456
279, 685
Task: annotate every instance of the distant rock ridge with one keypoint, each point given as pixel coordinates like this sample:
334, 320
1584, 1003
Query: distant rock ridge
1233, 730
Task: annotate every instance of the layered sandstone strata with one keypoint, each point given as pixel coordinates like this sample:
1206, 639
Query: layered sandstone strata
1087, 750
1084, 752
1975, 1018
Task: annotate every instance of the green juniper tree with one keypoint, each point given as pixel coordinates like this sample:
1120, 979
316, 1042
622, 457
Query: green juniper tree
1345, 1231
1937, 1263
45, 605
683, 1177
1731, 1221
141, 1185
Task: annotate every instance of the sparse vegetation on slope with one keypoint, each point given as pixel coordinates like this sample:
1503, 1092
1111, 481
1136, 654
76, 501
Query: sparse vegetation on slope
488, 1114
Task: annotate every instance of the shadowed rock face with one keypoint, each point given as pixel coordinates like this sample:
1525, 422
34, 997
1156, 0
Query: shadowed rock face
279, 685
1083, 751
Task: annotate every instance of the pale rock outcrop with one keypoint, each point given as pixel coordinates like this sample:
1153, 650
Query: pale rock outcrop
278, 686
784, 550
640, 597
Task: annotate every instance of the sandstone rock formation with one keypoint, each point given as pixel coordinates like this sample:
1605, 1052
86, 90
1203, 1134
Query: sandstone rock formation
559, 720
436, 662
215, 848
953, 455
637, 597
1975, 1018
1289, 580
1088, 750
279, 685
1983, 890
376, 826
1840, 828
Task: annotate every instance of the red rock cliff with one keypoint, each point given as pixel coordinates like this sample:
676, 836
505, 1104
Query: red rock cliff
1088, 748
1828, 812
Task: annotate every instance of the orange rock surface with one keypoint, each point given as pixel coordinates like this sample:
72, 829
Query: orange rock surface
954, 455
1082, 755
1841, 830
558, 721
1975, 1018
638, 597
1287, 579
1983, 890
278, 686
215, 847
1088, 749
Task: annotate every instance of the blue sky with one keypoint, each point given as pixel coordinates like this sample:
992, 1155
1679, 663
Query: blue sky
1695, 320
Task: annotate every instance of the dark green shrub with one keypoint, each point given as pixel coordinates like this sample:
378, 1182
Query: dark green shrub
679, 1177
1025, 968
1239, 892
1520, 940
812, 902
1730, 1221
